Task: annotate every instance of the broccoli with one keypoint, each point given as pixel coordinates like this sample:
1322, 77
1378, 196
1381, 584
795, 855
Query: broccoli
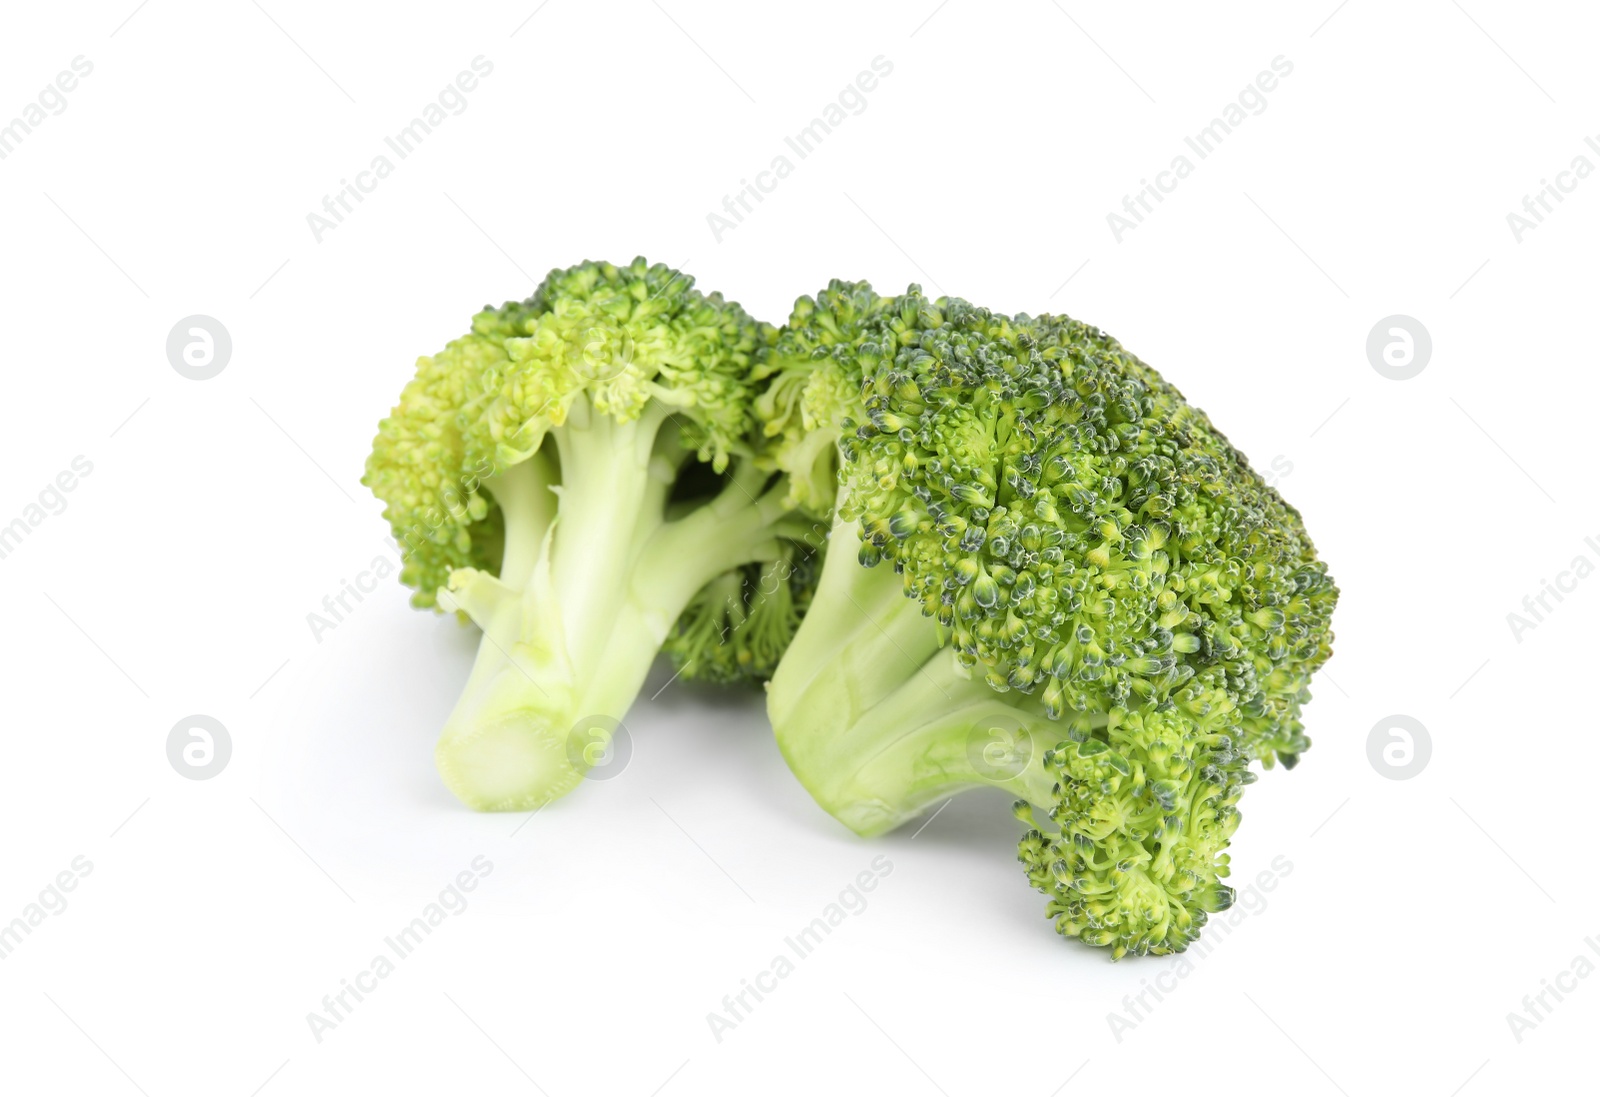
1047, 573
739, 625
571, 475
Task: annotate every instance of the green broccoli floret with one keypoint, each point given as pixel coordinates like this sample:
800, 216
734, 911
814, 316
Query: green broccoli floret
740, 624
813, 385
535, 472
1047, 573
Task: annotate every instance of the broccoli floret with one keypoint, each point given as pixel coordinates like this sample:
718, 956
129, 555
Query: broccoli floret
740, 624
813, 386
700, 644
1047, 573
535, 472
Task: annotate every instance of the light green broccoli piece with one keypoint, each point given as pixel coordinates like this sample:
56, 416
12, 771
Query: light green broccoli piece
535, 472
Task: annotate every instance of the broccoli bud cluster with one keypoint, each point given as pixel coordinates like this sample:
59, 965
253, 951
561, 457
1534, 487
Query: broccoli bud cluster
1077, 528
1094, 552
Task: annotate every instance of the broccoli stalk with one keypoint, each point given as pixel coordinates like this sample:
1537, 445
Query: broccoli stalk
609, 577
872, 712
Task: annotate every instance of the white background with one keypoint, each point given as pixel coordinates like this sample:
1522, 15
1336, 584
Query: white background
178, 579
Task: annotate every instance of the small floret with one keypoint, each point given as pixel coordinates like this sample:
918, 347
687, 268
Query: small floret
740, 624
535, 472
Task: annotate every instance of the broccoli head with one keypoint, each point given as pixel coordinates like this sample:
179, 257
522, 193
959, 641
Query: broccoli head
1047, 573
570, 475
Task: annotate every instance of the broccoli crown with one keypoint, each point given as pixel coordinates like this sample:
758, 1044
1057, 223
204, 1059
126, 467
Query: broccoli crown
1076, 527
740, 624
1098, 556
621, 336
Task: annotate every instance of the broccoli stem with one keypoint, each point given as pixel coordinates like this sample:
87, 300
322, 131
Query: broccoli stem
578, 636
527, 507
875, 717
612, 497
867, 639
